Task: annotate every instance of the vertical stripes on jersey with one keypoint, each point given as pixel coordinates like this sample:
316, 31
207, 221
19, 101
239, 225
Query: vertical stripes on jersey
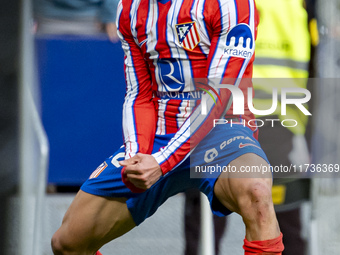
235, 67
184, 111
119, 12
185, 140
133, 18
221, 66
172, 114
138, 24
129, 125
129, 131
173, 51
138, 109
218, 36
161, 130
184, 17
166, 157
197, 16
176, 50
162, 29
151, 29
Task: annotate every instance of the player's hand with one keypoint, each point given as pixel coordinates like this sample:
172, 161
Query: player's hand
142, 170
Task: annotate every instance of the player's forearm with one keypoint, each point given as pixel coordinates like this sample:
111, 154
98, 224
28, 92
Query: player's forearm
191, 133
139, 127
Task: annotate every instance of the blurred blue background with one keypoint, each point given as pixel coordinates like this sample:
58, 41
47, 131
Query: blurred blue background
82, 92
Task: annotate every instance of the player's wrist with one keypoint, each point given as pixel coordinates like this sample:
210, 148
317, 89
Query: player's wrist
162, 161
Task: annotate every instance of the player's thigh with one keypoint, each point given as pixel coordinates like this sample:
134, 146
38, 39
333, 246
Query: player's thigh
231, 188
91, 221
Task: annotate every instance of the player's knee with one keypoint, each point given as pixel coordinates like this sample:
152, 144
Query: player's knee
259, 193
61, 247
56, 245
256, 201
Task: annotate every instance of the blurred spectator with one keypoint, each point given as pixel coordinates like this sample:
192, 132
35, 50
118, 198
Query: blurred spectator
79, 17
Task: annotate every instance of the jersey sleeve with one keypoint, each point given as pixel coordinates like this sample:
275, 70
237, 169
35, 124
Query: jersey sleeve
230, 59
139, 114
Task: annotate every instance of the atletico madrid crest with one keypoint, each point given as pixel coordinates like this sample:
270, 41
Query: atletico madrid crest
187, 34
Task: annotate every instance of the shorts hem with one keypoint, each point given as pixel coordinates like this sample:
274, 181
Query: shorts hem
100, 193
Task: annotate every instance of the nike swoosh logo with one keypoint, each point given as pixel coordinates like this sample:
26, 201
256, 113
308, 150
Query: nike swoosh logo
242, 145
142, 42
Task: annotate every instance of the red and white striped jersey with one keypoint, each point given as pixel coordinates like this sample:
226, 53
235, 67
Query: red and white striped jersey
168, 43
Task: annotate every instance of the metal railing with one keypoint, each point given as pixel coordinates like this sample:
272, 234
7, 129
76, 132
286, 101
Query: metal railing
34, 148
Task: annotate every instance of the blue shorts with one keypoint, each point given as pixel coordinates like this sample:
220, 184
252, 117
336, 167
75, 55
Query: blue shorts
223, 144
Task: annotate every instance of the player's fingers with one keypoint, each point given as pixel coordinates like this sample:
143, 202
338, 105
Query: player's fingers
131, 161
135, 178
136, 175
140, 177
127, 162
133, 169
138, 181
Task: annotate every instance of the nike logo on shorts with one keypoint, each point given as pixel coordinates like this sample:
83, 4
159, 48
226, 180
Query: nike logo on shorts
242, 145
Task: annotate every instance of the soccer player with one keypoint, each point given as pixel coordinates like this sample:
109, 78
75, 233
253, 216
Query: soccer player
167, 45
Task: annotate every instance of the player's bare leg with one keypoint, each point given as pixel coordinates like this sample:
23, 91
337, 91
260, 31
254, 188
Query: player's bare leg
251, 198
89, 223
